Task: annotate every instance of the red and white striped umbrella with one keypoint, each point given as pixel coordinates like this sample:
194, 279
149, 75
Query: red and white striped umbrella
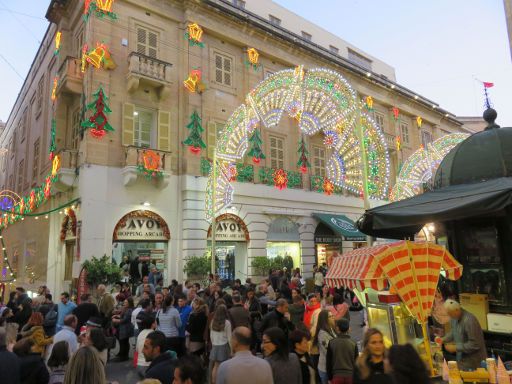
412, 268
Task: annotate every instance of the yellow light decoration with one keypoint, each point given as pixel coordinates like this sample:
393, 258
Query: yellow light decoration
419, 121
95, 57
58, 37
98, 57
83, 65
105, 5
328, 187
253, 56
55, 165
398, 142
193, 82
54, 88
194, 34
369, 102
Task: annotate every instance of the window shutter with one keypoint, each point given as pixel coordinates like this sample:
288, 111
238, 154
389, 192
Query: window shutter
164, 131
141, 40
127, 136
152, 44
211, 138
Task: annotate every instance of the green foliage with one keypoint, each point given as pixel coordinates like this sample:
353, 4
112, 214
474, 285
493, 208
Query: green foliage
245, 173
206, 166
265, 175
262, 264
294, 179
198, 265
102, 271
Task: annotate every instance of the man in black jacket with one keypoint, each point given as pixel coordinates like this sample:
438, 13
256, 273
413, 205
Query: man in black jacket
279, 317
9, 362
341, 354
84, 311
162, 362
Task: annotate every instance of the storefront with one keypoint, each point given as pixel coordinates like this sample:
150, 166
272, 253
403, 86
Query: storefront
231, 238
283, 240
143, 237
335, 234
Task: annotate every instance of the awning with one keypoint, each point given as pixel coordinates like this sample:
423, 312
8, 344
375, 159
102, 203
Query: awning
341, 225
403, 219
412, 268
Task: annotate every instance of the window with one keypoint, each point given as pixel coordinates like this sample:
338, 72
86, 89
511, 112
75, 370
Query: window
379, 119
75, 128
39, 99
359, 59
426, 138
274, 20
319, 161
276, 152
79, 41
404, 131
35, 166
147, 42
21, 176
239, 4
12, 144
70, 257
333, 49
306, 36
144, 132
23, 125
215, 130
267, 74
223, 69
11, 182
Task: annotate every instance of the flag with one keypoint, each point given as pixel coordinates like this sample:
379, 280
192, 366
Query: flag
488, 85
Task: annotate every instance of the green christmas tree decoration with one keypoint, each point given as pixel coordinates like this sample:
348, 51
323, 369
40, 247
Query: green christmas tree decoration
255, 152
303, 162
53, 147
194, 140
98, 122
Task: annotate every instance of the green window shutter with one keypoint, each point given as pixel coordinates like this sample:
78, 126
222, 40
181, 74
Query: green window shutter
164, 131
128, 124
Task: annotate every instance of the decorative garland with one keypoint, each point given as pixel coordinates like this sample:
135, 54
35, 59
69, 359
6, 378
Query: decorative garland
194, 34
194, 140
280, 179
98, 122
252, 59
100, 8
150, 164
70, 216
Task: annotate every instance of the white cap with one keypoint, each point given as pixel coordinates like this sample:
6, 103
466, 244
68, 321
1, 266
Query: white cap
451, 305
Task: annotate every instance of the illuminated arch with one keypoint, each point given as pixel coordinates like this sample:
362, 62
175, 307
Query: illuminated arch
320, 100
422, 165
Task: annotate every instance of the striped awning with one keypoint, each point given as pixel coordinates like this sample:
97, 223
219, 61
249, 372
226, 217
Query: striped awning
412, 268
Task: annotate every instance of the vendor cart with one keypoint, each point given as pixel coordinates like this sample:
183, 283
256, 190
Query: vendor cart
412, 269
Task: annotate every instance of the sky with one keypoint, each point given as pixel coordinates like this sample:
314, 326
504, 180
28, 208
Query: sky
437, 47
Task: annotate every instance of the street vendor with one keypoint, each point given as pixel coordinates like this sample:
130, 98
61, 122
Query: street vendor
465, 339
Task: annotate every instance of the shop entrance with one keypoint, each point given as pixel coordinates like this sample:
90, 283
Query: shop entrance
231, 239
283, 240
140, 241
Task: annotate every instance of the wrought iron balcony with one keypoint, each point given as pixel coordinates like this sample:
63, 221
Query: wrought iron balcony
70, 76
147, 70
134, 166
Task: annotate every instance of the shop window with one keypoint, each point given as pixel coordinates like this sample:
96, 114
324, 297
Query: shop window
223, 69
144, 128
283, 240
404, 132
35, 165
147, 42
215, 130
75, 128
276, 152
359, 59
319, 161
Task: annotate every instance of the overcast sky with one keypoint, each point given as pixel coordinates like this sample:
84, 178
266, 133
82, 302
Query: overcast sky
438, 47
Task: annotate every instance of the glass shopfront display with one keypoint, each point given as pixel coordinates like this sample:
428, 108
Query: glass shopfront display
285, 250
283, 240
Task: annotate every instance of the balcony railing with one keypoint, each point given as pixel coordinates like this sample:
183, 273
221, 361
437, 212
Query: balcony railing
133, 160
142, 68
67, 175
70, 76
390, 141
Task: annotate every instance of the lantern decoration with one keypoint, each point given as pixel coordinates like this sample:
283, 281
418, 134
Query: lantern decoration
232, 172
194, 34
303, 162
98, 122
398, 142
98, 57
194, 140
100, 8
150, 164
328, 187
54, 89
256, 152
58, 37
252, 59
396, 113
419, 121
331, 139
193, 83
369, 103
280, 179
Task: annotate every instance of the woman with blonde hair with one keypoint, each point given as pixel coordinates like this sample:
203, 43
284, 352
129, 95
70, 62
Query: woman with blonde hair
85, 367
220, 335
369, 367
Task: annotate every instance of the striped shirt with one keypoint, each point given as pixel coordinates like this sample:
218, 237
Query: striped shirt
169, 322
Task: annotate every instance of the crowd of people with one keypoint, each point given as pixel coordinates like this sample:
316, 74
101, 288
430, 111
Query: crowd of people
269, 332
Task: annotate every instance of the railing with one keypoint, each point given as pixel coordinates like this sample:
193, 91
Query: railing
68, 158
70, 72
149, 67
133, 155
390, 141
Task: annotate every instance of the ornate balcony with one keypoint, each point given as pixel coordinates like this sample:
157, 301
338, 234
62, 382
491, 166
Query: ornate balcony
147, 70
390, 142
134, 166
70, 76
67, 175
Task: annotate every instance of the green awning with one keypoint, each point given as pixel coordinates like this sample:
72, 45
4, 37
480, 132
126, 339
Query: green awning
342, 226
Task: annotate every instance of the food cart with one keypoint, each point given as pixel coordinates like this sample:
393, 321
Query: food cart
412, 269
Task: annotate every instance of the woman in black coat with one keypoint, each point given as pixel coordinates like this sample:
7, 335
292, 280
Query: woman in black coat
32, 367
125, 329
196, 326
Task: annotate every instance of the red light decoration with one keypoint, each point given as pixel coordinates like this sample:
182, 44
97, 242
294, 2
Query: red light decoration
232, 172
328, 187
396, 113
280, 179
303, 169
194, 150
256, 160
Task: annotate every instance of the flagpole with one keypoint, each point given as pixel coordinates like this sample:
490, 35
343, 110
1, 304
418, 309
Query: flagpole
214, 219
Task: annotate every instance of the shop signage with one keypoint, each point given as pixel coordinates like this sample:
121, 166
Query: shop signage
141, 226
229, 227
328, 239
344, 225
